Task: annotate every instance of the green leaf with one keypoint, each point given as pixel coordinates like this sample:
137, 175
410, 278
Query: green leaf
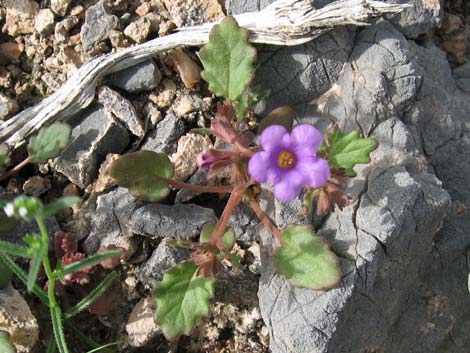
56, 206
306, 260
280, 116
5, 345
182, 299
5, 275
4, 150
228, 239
15, 250
347, 150
38, 291
39, 249
58, 329
90, 261
228, 60
92, 297
144, 173
49, 142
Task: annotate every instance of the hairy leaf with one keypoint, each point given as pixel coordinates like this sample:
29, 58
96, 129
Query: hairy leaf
306, 260
39, 249
228, 59
58, 329
347, 150
280, 116
49, 142
228, 239
144, 173
182, 299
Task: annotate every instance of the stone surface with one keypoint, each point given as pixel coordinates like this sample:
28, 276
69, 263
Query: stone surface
94, 135
195, 12
36, 186
19, 17
163, 258
141, 326
189, 147
141, 77
122, 109
165, 136
16, 320
99, 22
109, 221
162, 221
400, 245
166, 96
139, 30
8, 107
60, 7
44, 22
186, 104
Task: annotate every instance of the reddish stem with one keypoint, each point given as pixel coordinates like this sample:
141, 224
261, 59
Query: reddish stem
233, 201
243, 150
200, 188
16, 169
265, 219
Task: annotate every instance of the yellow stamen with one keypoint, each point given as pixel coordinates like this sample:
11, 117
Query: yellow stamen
286, 160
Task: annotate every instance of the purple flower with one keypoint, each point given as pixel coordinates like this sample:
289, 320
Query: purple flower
289, 160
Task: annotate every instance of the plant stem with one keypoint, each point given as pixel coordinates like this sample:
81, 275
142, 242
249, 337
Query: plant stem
265, 219
51, 279
15, 169
245, 151
200, 188
233, 201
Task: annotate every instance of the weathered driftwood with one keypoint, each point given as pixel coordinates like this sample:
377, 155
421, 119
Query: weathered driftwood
285, 22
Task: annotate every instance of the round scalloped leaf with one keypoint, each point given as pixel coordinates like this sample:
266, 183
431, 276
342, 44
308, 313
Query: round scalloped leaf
228, 239
183, 297
347, 150
228, 60
144, 173
280, 116
306, 260
49, 142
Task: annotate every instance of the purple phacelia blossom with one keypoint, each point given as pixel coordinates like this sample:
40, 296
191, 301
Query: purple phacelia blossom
289, 160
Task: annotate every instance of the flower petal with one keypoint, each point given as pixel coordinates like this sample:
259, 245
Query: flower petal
273, 136
260, 165
307, 137
289, 187
315, 170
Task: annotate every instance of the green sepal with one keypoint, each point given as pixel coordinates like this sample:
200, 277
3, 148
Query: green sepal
228, 238
280, 116
49, 142
347, 150
306, 260
228, 60
183, 297
144, 173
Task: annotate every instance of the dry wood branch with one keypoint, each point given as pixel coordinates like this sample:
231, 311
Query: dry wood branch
285, 22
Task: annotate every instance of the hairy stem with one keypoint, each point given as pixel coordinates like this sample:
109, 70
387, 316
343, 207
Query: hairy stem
265, 219
243, 150
16, 169
233, 201
200, 188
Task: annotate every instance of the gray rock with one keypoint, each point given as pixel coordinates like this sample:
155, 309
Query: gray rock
122, 109
17, 320
99, 22
141, 77
198, 178
163, 258
109, 221
462, 77
95, 134
400, 244
243, 221
60, 7
162, 221
8, 107
165, 136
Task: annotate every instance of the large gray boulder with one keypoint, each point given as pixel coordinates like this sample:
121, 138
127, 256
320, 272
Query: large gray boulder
402, 246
